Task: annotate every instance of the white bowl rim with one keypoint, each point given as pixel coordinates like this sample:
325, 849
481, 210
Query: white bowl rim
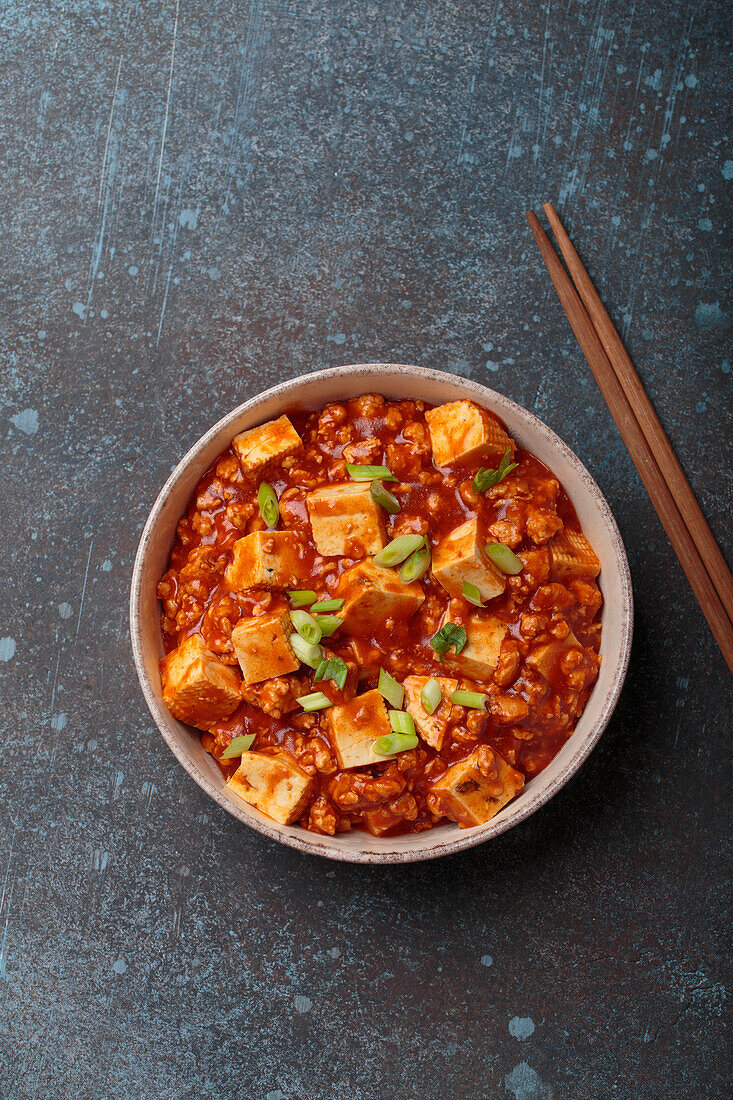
302, 840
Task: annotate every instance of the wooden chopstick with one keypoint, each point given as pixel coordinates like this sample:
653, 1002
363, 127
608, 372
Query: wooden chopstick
638, 398
637, 446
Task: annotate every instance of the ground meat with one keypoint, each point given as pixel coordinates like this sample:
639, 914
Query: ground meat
510, 529
542, 524
277, 696
322, 817
531, 708
357, 791
510, 660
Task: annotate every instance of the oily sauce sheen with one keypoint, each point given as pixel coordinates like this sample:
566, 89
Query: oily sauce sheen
530, 714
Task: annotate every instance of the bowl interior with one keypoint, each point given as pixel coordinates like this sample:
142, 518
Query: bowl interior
392, 381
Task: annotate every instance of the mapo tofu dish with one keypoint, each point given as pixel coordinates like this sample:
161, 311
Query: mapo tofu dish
382, 615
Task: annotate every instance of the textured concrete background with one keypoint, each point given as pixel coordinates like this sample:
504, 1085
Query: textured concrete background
206, 196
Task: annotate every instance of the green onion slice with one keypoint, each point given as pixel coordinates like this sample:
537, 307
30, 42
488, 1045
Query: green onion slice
306, 626
309, 654
402, 722
368, 473
417, 564
473, 699
267, 500
505, 558
390, 690
431, 696
472, 594
382, 496
334, 668
237, 746
340, 674
397, 550
315, 701
328, 605
395, 742
484, 479
449, 635
301, 597
329, 624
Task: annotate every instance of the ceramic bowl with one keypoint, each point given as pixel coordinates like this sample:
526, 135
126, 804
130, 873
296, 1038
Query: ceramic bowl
392, 380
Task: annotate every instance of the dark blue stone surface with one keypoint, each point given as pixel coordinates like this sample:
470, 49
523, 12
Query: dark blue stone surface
200, 199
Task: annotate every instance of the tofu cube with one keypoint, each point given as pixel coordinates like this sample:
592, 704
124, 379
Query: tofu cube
545, 658
353, 728
346, 521
373, 595
480, 655
274, 783
265, 559
462, 432
267, 443
459, 557
472, 791
573, 556
380, 820
431, 727
198, 688
262, 646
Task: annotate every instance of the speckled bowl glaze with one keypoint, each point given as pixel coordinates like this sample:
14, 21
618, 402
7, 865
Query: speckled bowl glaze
392, 380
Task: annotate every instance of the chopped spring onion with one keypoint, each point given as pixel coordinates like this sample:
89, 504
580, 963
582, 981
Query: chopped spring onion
318, 675
472, 699
395, 742
341, 673
397, 550
335, 668
315, 701
382, 496
484, 479
402, 722
237, 746
390, 690
339, 677
306, 626
472, 594
449, 635
417, 564
329, 624
301, 597
309, 654
267, 500
369, 473
505, 558
328, 605
431, 696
